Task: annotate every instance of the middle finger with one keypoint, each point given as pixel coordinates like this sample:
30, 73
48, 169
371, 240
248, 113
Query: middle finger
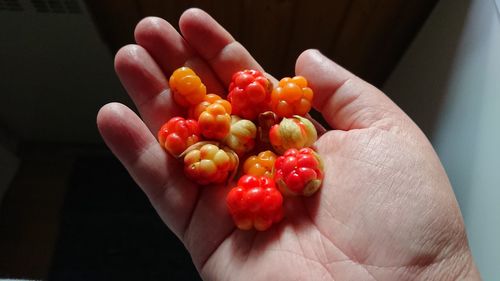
170, 51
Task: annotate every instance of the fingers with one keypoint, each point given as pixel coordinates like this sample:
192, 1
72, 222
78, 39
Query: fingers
215, 45
346, 101
135, 146
152, 169
209, 49
146, 85
167, 47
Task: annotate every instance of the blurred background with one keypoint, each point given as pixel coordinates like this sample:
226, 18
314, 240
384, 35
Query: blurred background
68, 209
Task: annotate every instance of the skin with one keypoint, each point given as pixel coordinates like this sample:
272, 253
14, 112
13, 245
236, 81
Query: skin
386, 210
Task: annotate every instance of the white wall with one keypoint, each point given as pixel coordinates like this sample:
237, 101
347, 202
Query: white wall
452, 69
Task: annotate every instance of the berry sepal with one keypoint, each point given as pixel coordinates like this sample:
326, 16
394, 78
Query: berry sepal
241, 137
266, 121
297, 132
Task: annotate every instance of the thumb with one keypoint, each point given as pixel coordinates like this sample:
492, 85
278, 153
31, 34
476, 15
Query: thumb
346, 101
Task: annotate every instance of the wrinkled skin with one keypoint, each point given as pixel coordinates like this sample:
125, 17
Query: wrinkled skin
386, 210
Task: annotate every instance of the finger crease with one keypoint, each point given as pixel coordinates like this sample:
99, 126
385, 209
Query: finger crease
151, 98
217, 54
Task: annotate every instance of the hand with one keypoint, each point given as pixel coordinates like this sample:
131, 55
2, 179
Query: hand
386, 210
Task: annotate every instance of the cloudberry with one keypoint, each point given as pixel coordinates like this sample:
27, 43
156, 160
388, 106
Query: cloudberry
249, 93
292, 97
255, 203
186, 86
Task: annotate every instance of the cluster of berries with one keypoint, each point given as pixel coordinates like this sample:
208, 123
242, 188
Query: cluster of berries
256, 117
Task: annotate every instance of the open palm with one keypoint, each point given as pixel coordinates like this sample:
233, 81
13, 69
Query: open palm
386, 210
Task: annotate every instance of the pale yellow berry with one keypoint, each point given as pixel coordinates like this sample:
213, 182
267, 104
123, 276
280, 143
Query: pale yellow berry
208, 151
192, 156
207, 168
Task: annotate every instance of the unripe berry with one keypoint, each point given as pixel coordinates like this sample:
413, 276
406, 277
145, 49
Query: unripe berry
210, 164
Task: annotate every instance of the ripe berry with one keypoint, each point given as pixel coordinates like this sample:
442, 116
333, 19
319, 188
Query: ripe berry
260, 165
187, 87
241, 137
195, 111
209, 164
178, 134
292, 97
296, 132
255, 202
249, 93
298, 172
215, 122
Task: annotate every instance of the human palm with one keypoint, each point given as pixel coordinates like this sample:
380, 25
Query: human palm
386, 210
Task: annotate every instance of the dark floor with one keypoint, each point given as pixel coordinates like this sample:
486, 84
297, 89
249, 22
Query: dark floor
73, 213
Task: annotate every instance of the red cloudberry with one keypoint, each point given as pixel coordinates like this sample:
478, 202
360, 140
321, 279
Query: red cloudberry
178, 134
255, 202
298, 172
249, 93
